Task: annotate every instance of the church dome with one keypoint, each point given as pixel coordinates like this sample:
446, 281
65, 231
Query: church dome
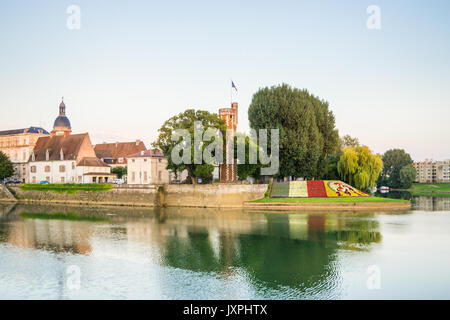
62, 121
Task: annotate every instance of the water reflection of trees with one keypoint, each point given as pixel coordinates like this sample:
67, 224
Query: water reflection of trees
300, 256
294, 250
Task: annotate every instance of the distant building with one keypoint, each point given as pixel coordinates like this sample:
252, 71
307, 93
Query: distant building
17, 145
147, 167
67, 159
115, 154
429, 171
228, 172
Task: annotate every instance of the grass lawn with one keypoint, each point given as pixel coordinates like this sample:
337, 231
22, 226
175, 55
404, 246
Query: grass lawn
434, 187
60, 216
69, 188
346, 199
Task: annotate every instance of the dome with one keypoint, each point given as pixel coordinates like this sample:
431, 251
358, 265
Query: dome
62, 121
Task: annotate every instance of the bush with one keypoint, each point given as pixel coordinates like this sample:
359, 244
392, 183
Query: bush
69, 188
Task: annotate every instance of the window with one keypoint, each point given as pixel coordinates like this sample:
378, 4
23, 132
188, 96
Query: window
73, 165
62, 179
62, 168
47, 168
47, 179
145, 175
33, 169
159, 175
133, 176
94, 179
33, 180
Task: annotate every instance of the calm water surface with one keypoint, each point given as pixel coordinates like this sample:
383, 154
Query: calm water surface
180, 253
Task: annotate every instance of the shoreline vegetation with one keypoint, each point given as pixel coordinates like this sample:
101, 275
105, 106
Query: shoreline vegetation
428, 189
61, 216
68, 188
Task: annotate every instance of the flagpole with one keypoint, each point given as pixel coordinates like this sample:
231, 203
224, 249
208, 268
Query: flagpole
231, 92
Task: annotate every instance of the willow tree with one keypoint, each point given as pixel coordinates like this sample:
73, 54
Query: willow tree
359, 167
306, 128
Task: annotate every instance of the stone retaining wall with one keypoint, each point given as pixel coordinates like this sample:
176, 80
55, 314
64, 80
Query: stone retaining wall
213, 196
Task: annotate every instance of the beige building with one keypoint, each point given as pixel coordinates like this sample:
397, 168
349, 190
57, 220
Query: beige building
147, 167
429, 171
18, 145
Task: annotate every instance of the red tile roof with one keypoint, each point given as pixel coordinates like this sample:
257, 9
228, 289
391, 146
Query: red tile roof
118, 149
70, 146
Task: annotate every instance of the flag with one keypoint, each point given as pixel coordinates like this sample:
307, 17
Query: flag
233, 86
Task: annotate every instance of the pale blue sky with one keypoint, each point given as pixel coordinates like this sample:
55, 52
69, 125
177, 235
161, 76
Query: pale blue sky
134, 64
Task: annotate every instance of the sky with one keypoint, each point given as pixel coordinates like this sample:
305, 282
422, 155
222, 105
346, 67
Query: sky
133, 64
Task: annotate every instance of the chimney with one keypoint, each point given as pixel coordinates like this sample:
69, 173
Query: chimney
137, 142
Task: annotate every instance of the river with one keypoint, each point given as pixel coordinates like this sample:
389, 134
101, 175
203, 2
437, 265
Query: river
190, 253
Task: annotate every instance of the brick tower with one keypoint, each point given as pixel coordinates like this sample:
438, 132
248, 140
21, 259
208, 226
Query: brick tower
228, 172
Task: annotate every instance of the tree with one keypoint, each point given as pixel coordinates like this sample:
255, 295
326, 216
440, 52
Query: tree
359, 167
247, 169
205, 172
6, 167
187, 121
348, 141
407, 176
394, 160
120, 171
306, 128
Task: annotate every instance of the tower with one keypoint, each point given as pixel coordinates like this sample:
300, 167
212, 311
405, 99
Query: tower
228, 171
61, 127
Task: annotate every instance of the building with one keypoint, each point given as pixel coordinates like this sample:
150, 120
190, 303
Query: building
67, 159
228, 172
63, 157
17, 145
429, 171
147, 167
115, 154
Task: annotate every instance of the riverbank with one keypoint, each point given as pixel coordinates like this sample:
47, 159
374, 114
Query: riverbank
204, 196
347, 203
428, 189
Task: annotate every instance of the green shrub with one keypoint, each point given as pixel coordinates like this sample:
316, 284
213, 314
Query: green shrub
68, 188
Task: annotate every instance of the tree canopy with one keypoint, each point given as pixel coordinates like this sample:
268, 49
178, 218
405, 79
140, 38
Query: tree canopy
6, 167
394, 160
359, 167
120, 171
187, 121
306, 128
407, 176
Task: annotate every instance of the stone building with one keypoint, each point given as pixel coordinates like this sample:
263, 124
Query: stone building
67, 159
115, 154
429, 171
228, 172
17, 145
147, 167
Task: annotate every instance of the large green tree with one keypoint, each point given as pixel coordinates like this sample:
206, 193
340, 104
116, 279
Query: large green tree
407, 176
306, 128
6, 167
394, 160
359, 167
186, 121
